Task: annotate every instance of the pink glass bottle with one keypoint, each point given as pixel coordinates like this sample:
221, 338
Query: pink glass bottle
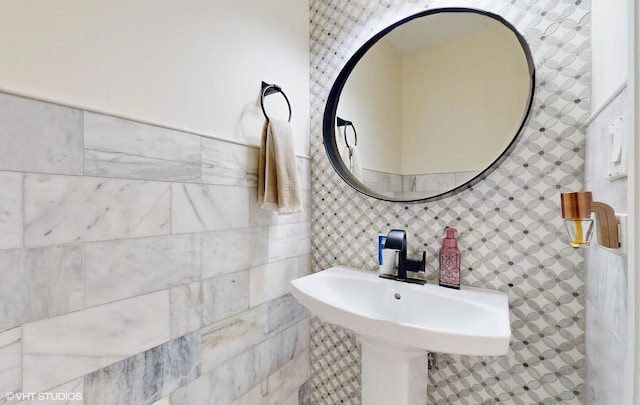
450, 261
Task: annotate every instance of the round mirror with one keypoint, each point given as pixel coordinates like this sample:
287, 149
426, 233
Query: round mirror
430, 105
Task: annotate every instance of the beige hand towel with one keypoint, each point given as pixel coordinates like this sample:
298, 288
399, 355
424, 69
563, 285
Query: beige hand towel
278, 188
353, 161
356, 162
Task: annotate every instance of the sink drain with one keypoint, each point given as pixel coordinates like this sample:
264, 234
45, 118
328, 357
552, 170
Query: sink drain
397, 296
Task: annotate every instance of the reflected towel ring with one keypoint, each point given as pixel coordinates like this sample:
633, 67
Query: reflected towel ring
345, 124
268, 89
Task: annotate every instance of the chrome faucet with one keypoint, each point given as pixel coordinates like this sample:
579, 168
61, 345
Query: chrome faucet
397, 240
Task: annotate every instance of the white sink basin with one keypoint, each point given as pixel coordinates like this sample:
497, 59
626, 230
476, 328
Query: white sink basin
469, 321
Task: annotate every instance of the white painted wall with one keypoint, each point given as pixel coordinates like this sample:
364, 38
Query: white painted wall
609, 49
194, 65
371, 99
458, 113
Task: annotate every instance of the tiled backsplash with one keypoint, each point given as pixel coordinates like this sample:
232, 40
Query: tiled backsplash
510, 229
138, 267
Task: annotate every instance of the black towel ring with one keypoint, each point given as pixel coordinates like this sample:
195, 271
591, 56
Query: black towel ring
268, 89
345, 124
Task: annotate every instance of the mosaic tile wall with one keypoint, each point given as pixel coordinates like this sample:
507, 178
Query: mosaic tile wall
511, 233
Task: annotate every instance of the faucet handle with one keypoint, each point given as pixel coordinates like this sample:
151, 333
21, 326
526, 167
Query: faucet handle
416, 265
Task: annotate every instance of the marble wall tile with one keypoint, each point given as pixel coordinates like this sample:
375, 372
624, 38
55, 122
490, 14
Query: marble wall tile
275, 352
224, 384
198, 208
607, 288
228, 338
71, 393
115, 147
606, 325
125, 215
303, 167
226, 163
66, 347
39, 283
304, 393
39, 137
372, 179
382, 182
304, 336
605, 362
10, 210
283, 312
186, 309
233, 250
224, 296
285, 381
292, 399
258, 395
260, 217
64, 209
304, 265
430, 182
271, 280
463, 177
255, 396
126, 268
234, 378
10, 363
148, 376
196, 392
615, 307
289, 240
606, 273
395, 182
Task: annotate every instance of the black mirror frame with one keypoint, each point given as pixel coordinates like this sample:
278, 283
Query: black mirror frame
329, 120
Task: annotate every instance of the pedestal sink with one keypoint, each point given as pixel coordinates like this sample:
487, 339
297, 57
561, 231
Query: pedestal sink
399, 323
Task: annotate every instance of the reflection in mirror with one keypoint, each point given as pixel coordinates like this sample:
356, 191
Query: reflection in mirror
436, 100
350, 153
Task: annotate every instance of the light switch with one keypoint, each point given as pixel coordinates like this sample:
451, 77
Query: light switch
617, 149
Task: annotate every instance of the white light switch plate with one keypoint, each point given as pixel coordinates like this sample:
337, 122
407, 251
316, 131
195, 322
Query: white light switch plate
617, 148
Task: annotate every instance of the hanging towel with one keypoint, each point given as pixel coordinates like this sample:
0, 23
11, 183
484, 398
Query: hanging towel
278, 188
352, 155
356, 162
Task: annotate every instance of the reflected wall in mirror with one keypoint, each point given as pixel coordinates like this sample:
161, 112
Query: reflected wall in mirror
438, 100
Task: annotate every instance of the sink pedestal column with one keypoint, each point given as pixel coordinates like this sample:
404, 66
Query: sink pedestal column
392, 374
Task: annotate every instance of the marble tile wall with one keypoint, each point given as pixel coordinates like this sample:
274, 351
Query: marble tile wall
138, 268
607, 344
10, 360
410, 186
382, 182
